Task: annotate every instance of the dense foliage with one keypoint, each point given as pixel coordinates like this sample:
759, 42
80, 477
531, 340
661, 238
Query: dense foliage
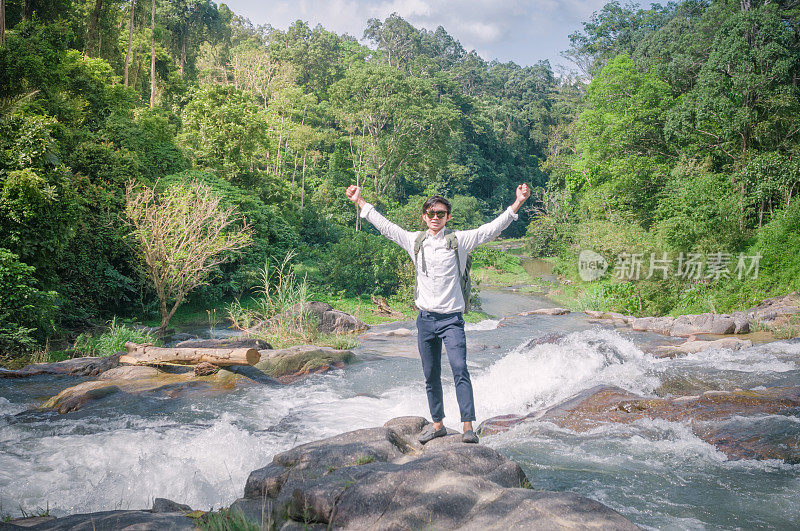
679, 135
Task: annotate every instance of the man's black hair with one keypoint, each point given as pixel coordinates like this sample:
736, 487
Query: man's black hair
433, 200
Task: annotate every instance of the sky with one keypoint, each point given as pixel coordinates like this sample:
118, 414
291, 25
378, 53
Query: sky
523, 31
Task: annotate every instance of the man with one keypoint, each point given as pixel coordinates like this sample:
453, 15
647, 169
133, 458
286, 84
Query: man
439, 299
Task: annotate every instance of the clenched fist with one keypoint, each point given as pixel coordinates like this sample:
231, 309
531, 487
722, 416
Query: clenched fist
354, 194
523, 192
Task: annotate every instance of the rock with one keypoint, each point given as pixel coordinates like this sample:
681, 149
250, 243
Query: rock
142, 380
237, 342
704, 323
118, 520
163, 505
204, 369
130, 372
328, 320
712, 415
776, 310
292, 363
183, 336
696, 345
546, 311
383, 478
86, 366
397, 332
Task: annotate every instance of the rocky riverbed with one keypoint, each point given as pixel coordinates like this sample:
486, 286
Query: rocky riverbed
668, 431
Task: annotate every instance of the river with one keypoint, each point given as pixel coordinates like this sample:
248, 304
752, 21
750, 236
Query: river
199, 449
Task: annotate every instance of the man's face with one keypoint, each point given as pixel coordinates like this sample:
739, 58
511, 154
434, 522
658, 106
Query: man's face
432, 217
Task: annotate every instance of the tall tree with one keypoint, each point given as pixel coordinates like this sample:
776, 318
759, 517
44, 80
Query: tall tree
2, 22
94, 23
153, 56
130, 41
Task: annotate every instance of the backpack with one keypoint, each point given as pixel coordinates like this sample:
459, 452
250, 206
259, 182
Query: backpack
463, 273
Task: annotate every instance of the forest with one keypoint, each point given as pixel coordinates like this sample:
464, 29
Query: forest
675, 136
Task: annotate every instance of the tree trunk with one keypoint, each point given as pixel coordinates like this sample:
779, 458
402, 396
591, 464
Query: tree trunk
153, 56
130, 41
183, 50
2, 22
303, 185
145, 354
91, 35
27, 10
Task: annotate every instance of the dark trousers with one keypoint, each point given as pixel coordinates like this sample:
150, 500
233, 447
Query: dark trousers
432, 329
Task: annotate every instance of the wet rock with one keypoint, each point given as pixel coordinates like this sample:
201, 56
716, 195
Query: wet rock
295, 362
239, 342
205, 369
86, 366
140, 381
546, 311
696, 345
383, 478
117, 520
163, 505
397, 332
704, 323
710, 415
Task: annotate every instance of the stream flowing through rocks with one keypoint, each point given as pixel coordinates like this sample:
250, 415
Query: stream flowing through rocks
662, 472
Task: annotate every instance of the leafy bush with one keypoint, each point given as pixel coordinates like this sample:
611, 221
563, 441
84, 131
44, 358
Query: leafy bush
779, 246
26, 313
364, 263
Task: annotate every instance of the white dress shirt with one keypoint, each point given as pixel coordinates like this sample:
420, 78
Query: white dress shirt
438, 289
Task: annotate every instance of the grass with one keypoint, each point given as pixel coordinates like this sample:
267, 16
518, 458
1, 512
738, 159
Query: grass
364, 309
365, 459
226, 520
111, 341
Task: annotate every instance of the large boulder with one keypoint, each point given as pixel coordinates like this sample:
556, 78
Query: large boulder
328, 320
289, 364
142, 380
86, 366
714, 416
382, 478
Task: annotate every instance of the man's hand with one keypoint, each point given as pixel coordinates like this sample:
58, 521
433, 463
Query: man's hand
523, 193
354, 195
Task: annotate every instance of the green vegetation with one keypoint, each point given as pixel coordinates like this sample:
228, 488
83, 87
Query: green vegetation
684, 142
228, 520
111, 341
678, 135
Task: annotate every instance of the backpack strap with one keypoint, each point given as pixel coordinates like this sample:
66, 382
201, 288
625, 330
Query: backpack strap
418, 248
452, 243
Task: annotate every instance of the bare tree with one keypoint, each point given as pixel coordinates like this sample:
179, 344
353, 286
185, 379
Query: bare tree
183, 234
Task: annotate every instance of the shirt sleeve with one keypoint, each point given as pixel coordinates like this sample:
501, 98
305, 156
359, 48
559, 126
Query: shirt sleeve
400, 236
469, 239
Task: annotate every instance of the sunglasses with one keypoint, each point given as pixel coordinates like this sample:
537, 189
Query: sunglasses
441, 214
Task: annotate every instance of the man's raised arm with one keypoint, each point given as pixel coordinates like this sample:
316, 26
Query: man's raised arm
403, 238
469, 239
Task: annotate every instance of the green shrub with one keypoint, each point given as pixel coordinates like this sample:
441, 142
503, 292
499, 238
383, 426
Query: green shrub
26, 313
364, 263
779, 245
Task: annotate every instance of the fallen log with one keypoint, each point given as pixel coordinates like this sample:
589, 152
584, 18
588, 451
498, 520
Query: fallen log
148, 354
